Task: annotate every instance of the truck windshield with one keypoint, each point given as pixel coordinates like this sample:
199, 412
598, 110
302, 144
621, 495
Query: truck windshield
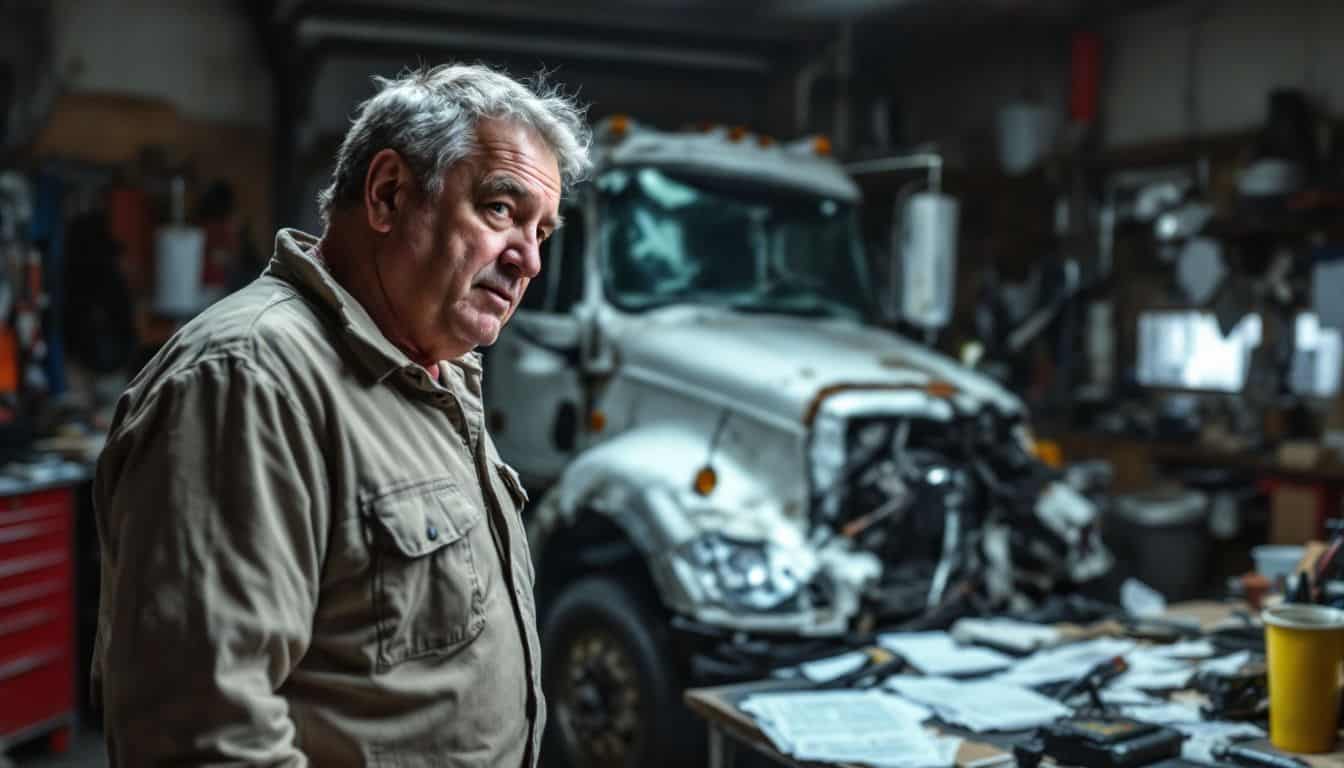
669, 239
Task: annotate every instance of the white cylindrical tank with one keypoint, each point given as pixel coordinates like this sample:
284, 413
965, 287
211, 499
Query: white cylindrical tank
179, 255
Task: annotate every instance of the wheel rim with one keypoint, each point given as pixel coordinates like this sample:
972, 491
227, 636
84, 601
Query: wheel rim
598, 706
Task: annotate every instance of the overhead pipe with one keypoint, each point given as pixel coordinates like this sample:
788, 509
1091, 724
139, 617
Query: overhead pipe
314, 29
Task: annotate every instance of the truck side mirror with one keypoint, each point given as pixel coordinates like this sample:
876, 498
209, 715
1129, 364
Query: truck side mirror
924, 245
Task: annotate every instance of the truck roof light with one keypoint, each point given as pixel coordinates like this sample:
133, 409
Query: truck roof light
618, 126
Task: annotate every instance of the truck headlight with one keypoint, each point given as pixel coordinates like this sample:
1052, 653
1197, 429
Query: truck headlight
753, 575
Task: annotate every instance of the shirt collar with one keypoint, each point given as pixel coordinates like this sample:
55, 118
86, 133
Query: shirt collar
295, 262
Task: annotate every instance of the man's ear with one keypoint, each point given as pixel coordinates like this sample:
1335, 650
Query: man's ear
386, 189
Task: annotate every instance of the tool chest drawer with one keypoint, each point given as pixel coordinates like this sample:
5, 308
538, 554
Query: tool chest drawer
36, 612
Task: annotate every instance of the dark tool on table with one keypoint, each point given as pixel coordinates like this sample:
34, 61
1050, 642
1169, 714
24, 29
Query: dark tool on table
1240, 696
881, 664
1242, 755
1028, 754
1109, 742
1094, 680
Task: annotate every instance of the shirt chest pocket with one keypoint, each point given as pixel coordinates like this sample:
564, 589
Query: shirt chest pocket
428, 592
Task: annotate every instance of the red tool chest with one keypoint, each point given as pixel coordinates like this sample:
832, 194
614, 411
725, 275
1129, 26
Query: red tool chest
37, 664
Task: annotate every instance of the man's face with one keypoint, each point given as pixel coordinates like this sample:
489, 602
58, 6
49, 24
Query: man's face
455, 269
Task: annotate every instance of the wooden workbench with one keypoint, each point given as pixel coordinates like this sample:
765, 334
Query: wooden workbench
730, 727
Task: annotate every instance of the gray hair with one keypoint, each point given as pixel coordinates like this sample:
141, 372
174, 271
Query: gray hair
429, 116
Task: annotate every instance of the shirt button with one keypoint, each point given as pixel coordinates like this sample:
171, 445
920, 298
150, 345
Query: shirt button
432, 533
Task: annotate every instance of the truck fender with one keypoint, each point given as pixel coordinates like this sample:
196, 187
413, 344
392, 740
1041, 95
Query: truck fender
637, 481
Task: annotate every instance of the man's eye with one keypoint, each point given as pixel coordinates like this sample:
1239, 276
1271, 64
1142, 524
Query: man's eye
501, 209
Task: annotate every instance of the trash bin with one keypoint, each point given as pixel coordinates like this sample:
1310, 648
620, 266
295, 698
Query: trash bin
1161, 537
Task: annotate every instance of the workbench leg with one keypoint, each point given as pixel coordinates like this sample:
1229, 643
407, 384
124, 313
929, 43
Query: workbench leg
722, 750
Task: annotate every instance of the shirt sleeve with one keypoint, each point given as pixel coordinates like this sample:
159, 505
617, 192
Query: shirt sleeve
213, 511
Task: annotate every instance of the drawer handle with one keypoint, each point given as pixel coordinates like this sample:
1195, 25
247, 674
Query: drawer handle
28, 663
24, 515
27, 620
24, 594
31, 563
22, 532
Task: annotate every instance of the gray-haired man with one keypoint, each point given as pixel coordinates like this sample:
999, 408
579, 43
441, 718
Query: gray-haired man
312, 552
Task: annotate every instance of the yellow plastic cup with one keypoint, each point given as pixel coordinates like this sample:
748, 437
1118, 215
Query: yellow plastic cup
1304, 645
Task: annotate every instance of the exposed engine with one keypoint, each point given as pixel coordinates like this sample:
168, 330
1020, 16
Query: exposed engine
958, 503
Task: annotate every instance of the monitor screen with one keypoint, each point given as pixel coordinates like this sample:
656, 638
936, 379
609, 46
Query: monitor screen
1185, 349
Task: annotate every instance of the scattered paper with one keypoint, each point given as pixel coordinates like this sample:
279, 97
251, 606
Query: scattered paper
1163, 713
936, 653
979, 705
1140, 600
1201, 738
1190, 649
825, 670
1068, 662
1226, 665
1019, 636
1154, 680
1119, 698
1150, 670
869, 727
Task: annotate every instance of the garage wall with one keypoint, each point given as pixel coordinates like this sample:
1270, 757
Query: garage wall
1240, 49
949, 86
200, 56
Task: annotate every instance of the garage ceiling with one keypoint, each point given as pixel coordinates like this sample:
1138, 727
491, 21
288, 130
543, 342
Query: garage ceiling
745, 20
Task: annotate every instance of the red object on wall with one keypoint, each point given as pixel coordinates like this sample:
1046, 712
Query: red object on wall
1085, 77
130, 221
37, 663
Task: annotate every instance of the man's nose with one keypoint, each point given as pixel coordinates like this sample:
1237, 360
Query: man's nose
523, 255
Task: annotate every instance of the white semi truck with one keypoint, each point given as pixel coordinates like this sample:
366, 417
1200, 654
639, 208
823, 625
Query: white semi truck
731, 464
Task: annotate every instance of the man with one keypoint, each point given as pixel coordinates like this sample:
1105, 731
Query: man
312, 553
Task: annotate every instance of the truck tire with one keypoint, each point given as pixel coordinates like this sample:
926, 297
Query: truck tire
612, 689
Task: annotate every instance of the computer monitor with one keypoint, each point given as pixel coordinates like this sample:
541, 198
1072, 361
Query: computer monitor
1185, 349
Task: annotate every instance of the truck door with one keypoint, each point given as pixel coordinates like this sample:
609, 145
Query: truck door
533, 395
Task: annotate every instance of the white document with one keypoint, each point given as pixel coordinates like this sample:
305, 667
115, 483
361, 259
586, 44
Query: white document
823, 670
936, 653
1190, 649
1119, 698
1226, 665
979, 704
1202, 737
1154, 680
1007, 633
1152, 670
1163, 713
872, 727
1067, 662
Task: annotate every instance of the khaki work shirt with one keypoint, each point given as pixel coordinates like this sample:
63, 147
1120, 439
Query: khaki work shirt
312, 552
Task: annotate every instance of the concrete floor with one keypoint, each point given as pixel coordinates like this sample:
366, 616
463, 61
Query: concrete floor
86, 751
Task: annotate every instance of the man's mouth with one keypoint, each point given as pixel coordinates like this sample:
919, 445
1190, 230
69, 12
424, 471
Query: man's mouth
504, 295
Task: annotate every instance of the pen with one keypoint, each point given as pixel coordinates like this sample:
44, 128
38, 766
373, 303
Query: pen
1255, 757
